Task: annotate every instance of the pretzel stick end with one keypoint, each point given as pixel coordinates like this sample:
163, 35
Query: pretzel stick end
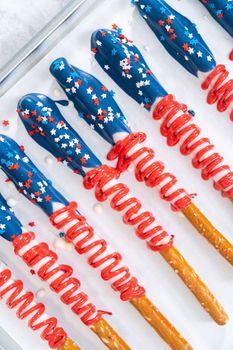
196, 285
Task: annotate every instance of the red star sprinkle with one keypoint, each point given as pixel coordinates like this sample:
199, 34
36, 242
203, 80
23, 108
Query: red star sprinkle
34, 113
5, 122
115, 26
39, 119
173, 36
14, 167
185, 46
83, 160
32, 224
48, 198
21, 148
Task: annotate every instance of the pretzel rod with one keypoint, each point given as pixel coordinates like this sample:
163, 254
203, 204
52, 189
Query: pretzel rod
128, 68
129, 148
101, 178
54, 335
207, 230
64, 216
153, 174
44, 262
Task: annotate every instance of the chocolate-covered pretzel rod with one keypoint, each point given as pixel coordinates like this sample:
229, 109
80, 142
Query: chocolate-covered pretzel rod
104, 116
13, 292
112, 49
222, 12
39, 257
67, 145
183, 42
64, 216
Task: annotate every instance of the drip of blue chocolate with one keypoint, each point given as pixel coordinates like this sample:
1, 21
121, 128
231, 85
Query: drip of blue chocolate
27, 177
10, 226
46, 125
178, 35
222, 12
93, 101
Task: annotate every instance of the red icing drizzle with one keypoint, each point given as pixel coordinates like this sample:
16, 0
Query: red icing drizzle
99, 178
40, 251
125, 284
152, 174
55, 336
176, 125
221, 91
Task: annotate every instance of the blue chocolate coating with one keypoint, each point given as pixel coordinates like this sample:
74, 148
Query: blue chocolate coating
178, 35
10, 226
91, 98
125, 64
27, 177
222, 12
46, 125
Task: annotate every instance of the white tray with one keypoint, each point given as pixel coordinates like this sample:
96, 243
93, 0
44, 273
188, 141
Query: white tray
162, 285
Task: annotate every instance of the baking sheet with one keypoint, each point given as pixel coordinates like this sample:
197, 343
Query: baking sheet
162, 285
